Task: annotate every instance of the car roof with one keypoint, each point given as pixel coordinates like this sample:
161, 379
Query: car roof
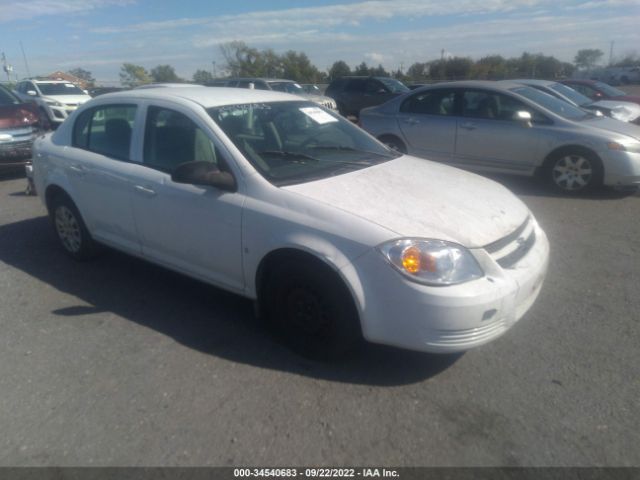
532, 81
206, 96
264, 79
42, 80
580, 81
491, 84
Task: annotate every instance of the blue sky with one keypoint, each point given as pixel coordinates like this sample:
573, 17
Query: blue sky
99, 35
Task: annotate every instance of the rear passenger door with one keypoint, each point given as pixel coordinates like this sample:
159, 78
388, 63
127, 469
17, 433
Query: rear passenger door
428, 123
192, 228
100, 171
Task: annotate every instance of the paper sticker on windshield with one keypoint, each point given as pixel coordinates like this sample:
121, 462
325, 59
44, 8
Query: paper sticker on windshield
68, 85
318, 115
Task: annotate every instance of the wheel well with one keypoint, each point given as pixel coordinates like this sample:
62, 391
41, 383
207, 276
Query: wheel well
54, 191
287, 254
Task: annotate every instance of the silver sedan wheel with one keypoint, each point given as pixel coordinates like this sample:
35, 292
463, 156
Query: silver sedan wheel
68, 229
572, 172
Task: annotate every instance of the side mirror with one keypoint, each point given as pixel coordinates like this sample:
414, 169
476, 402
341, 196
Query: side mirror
204, 173
32, 93
523, 117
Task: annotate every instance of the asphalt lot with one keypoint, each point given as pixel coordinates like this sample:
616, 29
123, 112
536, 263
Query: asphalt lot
117, 362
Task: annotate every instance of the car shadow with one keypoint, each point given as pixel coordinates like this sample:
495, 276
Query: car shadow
196, 315
533, 186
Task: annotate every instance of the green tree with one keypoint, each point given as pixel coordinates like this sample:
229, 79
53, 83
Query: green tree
418, 72
379, 71
362, 69
339, 69
165, 74
202, 77
587, 57
297, 66
84, 75
133, 75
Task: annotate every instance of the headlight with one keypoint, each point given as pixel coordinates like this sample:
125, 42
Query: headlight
622, 114
432, 262
622, 147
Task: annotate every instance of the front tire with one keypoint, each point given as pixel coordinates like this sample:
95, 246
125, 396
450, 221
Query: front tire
574, 171
311, 309
71, 229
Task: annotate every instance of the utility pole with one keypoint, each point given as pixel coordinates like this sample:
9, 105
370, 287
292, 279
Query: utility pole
611, 53
6, 67
214, 68
25, 60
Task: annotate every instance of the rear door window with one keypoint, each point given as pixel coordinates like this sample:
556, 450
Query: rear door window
105, 130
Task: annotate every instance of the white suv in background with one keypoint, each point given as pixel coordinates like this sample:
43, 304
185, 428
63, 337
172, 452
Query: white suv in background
56, 98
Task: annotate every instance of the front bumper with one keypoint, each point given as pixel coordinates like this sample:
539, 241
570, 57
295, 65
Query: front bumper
59, 114
396, 311
621, 169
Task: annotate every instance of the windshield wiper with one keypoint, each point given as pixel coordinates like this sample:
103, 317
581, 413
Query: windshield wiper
346, 149
295, 157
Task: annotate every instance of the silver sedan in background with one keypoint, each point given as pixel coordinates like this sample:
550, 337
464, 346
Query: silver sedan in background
618, 109
506, 127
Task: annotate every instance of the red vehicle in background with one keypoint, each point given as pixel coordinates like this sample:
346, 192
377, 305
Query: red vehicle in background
596, 90
20, 122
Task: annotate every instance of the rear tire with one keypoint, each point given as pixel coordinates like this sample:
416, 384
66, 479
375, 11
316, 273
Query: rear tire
71, 229
573, 172
310, 309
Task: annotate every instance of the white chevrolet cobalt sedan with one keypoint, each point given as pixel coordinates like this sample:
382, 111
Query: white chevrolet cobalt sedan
335, 236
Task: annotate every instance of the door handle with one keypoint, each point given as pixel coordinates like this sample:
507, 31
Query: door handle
411, 121
149, 192
468, 126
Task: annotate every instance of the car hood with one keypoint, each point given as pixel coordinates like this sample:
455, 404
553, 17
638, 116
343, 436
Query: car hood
616, 126
625, 111
414, 197
627, 98
316, 98
69, 99
19, 115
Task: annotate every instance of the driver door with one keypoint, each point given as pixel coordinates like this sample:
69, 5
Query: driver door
190, 228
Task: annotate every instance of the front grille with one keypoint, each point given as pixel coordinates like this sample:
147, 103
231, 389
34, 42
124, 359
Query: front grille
508, 251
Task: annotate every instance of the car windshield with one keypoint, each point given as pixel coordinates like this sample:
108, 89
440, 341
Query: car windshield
287, 87
559, 107
394, 85
573, 95
608, 90
59, 89
7, 98
297, 142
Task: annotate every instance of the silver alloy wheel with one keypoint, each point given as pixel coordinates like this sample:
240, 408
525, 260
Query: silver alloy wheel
572, 172
68, 229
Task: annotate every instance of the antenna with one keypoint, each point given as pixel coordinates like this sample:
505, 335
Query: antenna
25, 60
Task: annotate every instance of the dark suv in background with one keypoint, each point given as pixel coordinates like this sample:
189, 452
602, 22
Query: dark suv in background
352, 94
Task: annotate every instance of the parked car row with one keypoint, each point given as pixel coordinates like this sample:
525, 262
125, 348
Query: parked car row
508, 127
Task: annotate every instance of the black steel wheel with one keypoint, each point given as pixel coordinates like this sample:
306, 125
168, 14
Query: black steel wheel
311, 309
